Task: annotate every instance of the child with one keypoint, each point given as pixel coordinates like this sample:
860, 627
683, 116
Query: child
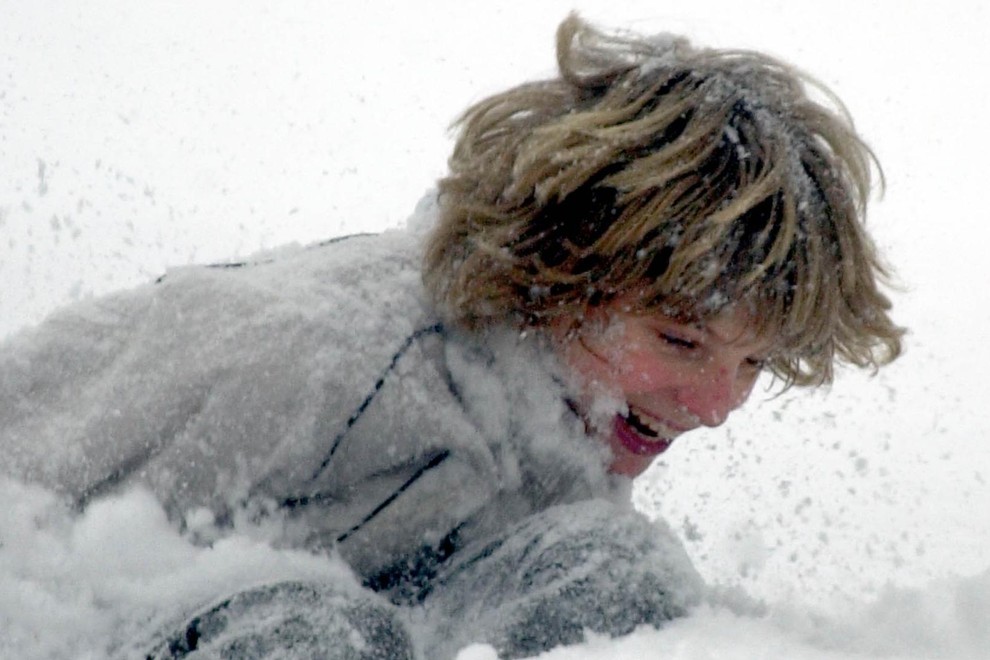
615, 256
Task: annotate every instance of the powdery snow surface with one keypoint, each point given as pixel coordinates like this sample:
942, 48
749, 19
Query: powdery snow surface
138, 137
102, 584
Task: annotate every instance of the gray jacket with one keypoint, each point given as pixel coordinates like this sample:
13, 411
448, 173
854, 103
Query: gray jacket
314, 386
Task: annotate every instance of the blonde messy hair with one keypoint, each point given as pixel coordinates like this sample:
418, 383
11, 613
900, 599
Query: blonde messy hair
688, 178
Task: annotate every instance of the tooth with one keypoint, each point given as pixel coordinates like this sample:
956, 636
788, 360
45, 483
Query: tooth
643, 424
648, 423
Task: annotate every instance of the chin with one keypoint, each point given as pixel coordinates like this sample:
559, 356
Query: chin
630, 467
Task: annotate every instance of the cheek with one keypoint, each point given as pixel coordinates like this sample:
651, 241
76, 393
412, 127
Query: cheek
587, 363
644, 371
627, 368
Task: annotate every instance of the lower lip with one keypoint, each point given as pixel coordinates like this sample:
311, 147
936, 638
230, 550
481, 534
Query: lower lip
636, 443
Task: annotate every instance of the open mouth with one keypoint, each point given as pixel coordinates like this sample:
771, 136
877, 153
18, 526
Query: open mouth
637, 436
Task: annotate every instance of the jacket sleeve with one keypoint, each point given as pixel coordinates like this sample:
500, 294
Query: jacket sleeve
315, 381
217, 384
71, 414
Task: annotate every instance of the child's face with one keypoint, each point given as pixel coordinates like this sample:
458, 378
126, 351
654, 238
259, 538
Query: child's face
670, 377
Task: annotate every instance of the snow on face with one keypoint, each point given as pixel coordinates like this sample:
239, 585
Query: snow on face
669, 377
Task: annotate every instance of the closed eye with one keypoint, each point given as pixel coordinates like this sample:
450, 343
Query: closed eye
679, 342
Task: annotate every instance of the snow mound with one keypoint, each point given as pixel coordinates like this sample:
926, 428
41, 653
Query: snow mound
94, 585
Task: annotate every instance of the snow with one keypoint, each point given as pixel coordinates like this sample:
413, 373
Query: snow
136, 138
94, 585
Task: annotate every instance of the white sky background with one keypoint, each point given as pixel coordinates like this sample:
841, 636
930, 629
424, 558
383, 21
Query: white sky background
138, 136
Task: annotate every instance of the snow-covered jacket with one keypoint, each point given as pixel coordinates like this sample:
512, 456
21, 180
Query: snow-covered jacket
315, 384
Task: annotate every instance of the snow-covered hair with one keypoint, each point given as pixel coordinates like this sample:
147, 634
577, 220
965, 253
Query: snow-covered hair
688, 179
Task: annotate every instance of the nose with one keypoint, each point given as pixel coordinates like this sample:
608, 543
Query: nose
713, 396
